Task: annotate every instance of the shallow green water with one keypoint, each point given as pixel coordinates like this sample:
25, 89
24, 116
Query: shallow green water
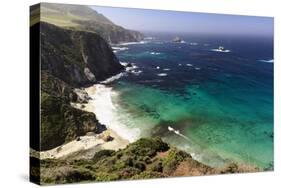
222, 104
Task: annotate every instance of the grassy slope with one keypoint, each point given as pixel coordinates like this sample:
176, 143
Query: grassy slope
83, 18
65, 15
146, 158
143, 159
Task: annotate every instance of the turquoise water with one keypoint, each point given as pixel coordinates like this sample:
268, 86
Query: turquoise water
222, 104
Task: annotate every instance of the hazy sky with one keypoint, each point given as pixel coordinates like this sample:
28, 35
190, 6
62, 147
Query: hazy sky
187, 22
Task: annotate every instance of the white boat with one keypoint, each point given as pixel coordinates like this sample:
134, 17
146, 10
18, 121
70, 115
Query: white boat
170, 128
221, 49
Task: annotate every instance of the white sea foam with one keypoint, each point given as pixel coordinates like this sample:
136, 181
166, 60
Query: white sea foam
113, 78
166, 69
129, 68
136, 72
197, 68
162, 74
123, 63
107, 113
267, 61
189, 65
117, 49
221, 51
155, 53
130, 43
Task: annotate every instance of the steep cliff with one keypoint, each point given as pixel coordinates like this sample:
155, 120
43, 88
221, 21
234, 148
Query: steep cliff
69, 59
76, 57
60, 122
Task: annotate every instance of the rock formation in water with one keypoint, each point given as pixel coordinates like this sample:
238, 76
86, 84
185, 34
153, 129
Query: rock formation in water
177, 40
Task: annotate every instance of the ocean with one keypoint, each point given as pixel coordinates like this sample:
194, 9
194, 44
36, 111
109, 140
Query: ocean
216, 105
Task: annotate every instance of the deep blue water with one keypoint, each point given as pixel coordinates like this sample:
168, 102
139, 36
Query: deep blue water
221, 102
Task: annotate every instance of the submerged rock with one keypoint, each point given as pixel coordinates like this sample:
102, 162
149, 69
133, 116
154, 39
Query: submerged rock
177, 40
108, 138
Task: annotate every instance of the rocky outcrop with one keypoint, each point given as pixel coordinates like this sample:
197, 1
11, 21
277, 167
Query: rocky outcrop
76, 57
60, 122
69, 59
57, 88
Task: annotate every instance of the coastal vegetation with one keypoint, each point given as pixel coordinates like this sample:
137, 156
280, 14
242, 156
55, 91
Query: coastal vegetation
143, 159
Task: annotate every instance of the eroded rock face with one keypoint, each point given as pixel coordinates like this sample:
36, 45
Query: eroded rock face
76, 57
60, 122
70, 59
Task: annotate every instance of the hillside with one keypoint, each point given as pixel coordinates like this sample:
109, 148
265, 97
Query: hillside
81, 17
69, 59
143, 159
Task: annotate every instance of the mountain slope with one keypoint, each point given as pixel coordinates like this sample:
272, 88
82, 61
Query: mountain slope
81, 17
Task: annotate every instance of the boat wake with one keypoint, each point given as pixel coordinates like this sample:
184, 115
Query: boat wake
222, 51
162, 74
267, 61
177, 132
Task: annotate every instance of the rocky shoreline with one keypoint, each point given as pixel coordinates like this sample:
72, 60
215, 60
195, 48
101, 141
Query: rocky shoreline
107, 156
75, 146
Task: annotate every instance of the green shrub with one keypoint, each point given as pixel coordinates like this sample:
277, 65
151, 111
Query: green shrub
148, 175
174, 157
102, 154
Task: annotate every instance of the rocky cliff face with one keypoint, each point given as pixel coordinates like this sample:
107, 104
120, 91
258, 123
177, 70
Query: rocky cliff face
113, 34
76, 57
69, 59
74, 52
60, 122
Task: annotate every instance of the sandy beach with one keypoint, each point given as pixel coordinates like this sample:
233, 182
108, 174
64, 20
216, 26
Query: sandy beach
86, 146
